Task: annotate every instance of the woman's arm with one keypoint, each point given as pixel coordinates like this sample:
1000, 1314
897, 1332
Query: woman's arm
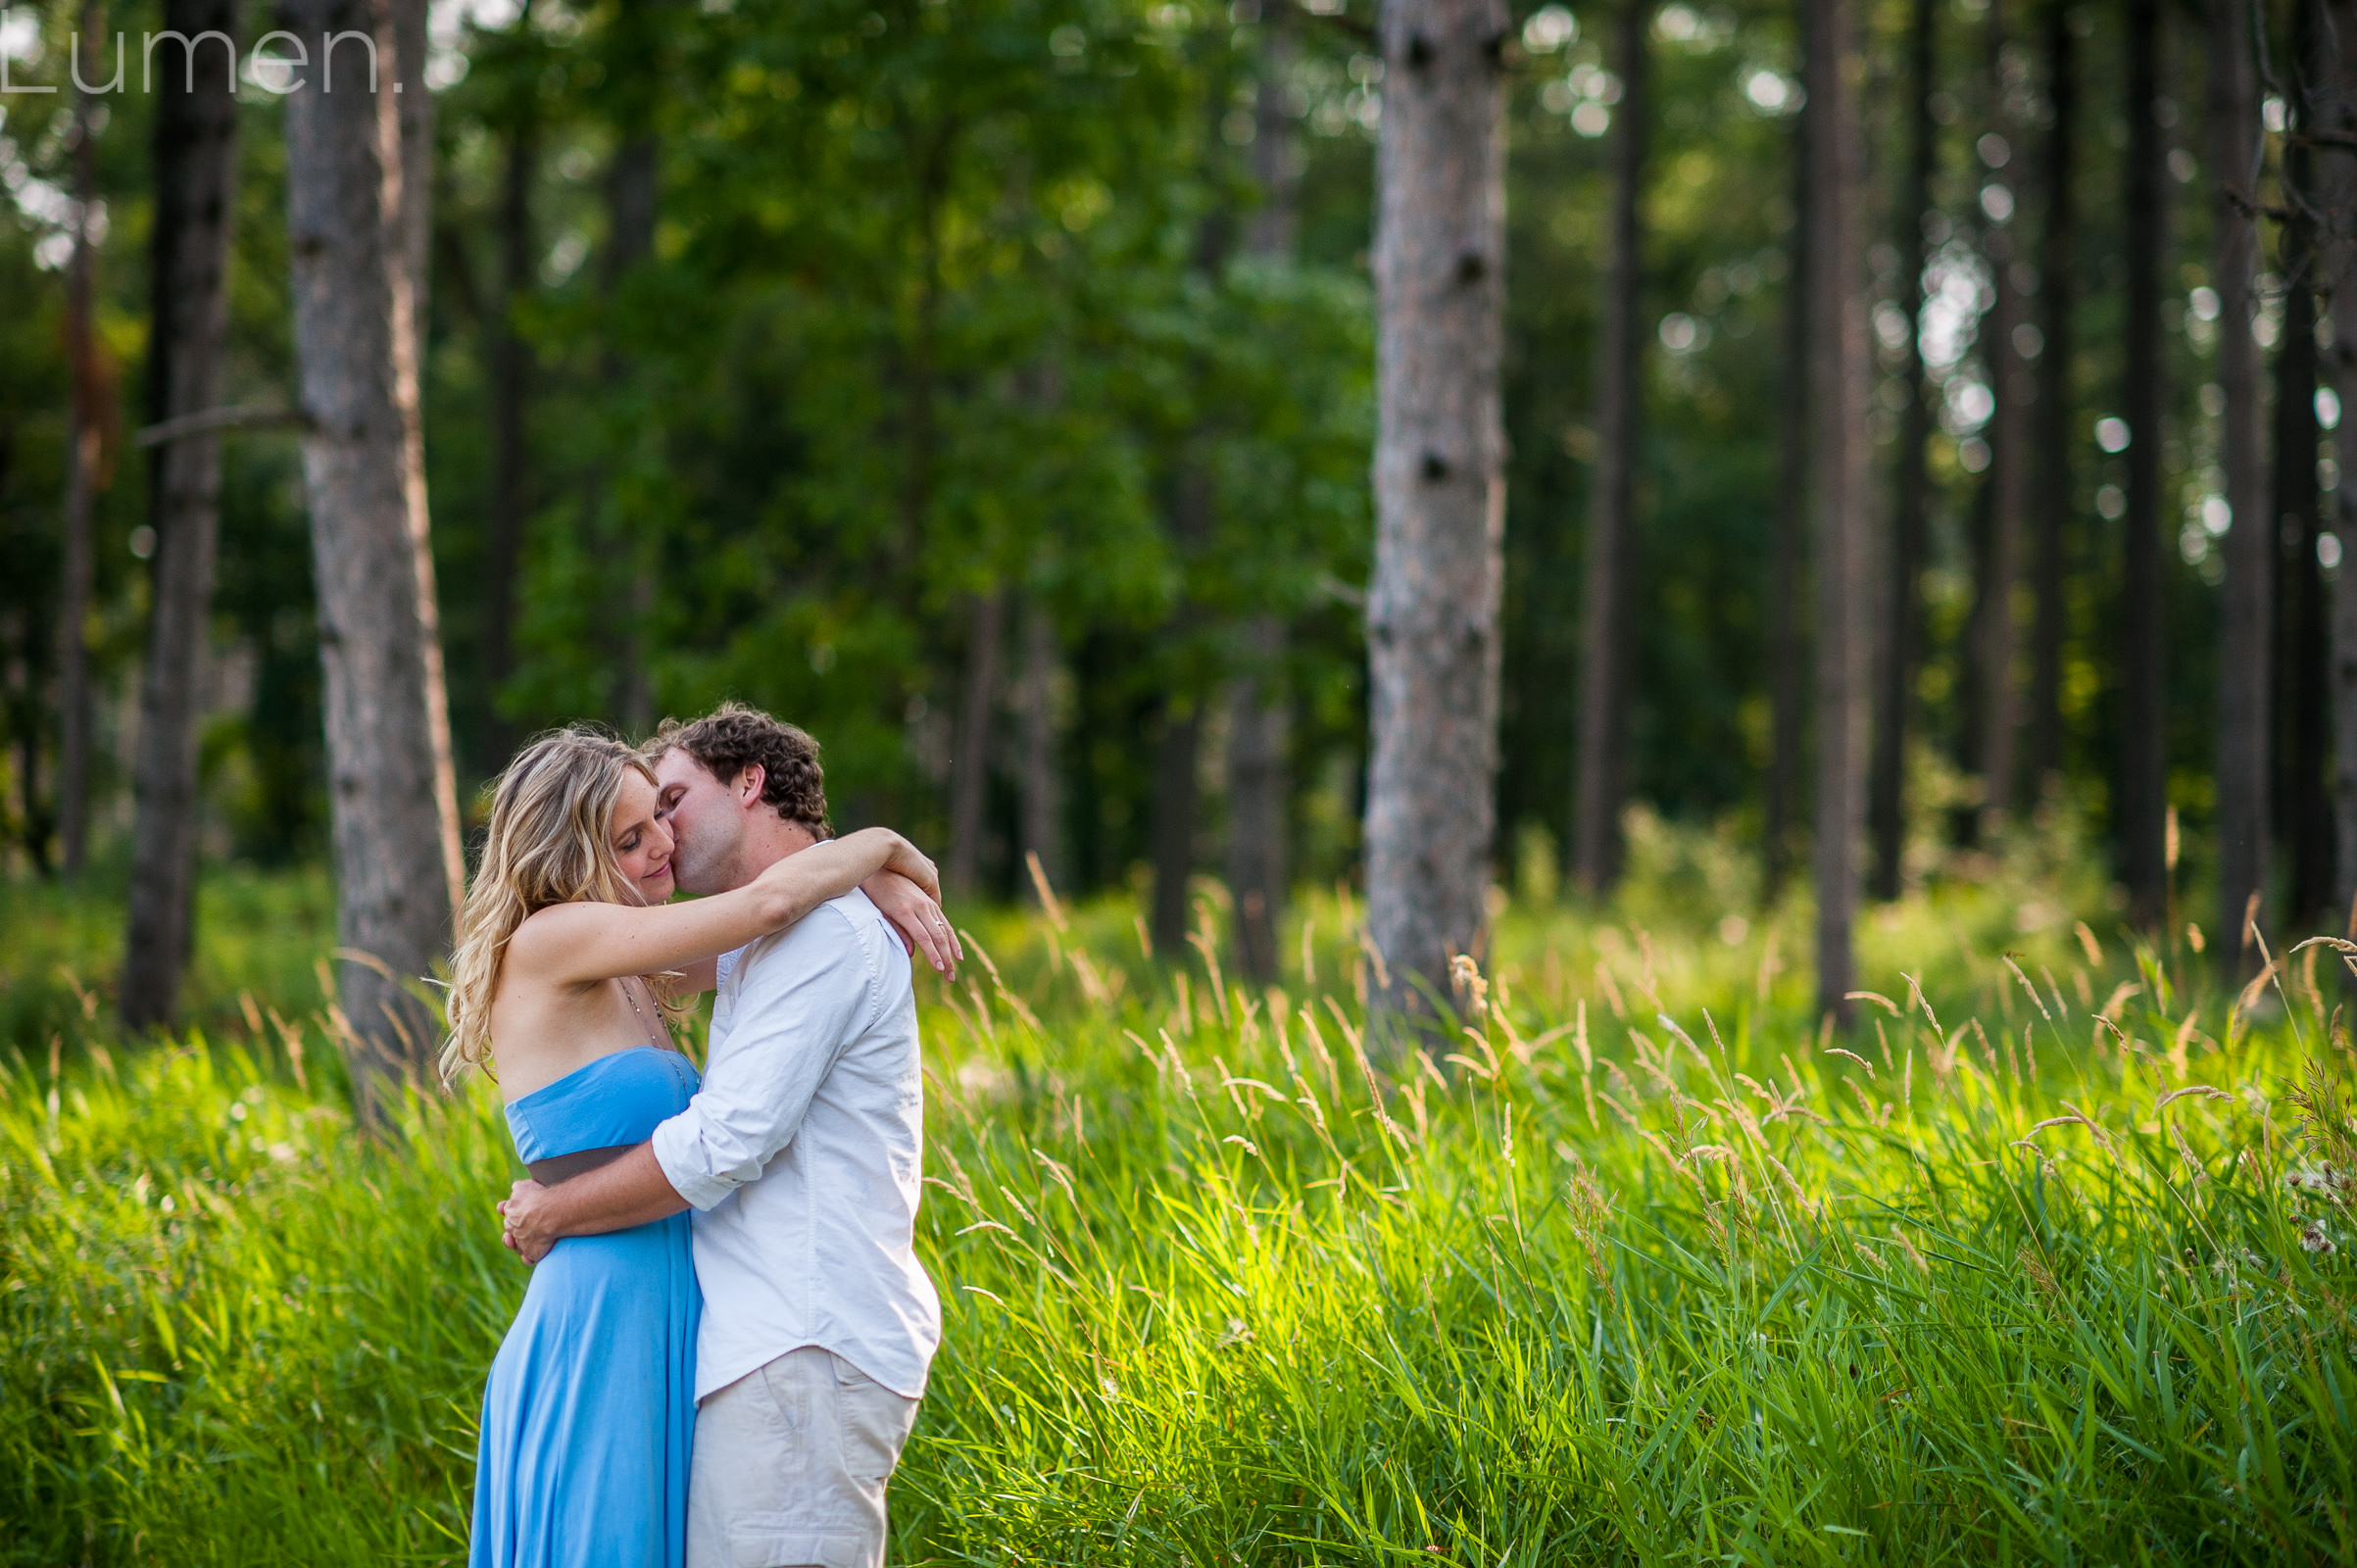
575, 944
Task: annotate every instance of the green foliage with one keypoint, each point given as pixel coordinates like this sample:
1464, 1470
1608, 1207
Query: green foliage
1644, 1270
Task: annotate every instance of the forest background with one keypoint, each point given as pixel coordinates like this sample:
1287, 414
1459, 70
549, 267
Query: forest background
990, 389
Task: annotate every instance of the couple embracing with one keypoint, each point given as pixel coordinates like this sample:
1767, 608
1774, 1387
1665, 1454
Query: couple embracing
730, 1389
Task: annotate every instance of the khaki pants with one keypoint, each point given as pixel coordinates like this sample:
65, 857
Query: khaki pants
790, 1466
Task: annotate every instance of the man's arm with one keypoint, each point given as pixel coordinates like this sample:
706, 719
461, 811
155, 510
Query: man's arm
627, 1192
801, 997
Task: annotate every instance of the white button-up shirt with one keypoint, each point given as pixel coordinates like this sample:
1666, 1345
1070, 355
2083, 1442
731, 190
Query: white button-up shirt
803, 1155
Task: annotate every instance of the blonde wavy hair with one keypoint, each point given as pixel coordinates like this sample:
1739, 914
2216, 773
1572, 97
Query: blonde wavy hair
549, 842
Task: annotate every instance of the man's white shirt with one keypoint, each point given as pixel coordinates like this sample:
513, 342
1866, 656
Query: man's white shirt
803, 1155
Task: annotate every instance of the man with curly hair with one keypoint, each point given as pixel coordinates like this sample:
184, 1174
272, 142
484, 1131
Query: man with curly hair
801, 1155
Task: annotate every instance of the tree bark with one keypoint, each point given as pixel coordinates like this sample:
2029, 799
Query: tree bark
1440, 490
2246, 640
1839, 450
512, 369
1172, 835
1787, 556
2336, 115
196, 201
632, 191
1043, 795
2142, 803
392, 798
84, 436
1258, 705
970, 778
1171, 832
415, 111
1895, 675
1605, 677
1257, 739
1996, 632
2052, 507
2301, 655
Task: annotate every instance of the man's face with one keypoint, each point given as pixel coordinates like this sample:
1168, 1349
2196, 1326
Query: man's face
707, 818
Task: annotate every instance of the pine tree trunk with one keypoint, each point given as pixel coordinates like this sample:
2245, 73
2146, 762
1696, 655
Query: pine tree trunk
2301, 653
196, 200
1171, 837
1997, 633
1043, 795
415, 107
970, 778
632, 192
2052, 507
1601, 766
2336, 117
1894, 672
392, 799
1170, 834
2142, 801
1440, 489
1256, 738
1788, 553
83, 453
2247, 638
512, 369
1258, 705
1840, 373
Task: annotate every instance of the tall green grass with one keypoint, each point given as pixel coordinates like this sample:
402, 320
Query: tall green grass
1638, 1267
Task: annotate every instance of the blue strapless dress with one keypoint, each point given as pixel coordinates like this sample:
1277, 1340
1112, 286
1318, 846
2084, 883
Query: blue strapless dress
591, 1406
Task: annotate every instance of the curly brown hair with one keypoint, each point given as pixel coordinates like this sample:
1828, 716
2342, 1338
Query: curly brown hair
733, 737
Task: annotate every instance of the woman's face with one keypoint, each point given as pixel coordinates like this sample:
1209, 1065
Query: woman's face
642, 840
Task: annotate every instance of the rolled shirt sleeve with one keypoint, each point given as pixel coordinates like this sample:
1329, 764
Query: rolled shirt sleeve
790, 1019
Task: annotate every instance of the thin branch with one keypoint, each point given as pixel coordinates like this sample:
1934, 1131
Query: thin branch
230, 418
1363, 31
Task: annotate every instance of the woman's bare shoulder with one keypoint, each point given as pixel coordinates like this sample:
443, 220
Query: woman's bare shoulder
544, 933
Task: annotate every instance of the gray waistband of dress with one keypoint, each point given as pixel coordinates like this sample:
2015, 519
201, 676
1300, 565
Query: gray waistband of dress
565, 1168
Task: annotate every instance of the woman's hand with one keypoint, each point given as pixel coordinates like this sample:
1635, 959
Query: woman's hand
917, 918
906, 860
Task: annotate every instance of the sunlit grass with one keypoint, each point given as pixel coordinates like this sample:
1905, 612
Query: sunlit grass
1640, 1266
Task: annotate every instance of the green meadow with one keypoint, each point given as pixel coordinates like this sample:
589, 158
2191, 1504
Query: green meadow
2048, 1259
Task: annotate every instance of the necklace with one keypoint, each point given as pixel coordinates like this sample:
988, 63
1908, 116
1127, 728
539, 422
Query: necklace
658, 1041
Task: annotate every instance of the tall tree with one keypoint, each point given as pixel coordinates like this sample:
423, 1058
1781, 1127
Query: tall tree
633, 194
85, 427
1600, 763
1176, 751
2057, 296
2302, 651
1787, 552
352, 186
2335, 110
1258, 705
1840, 454
1995, 634
1042, 792
2246, 639
2142, 800
1440, 487
195, 201
1894, 672
1189, 508
513, 369
970, 775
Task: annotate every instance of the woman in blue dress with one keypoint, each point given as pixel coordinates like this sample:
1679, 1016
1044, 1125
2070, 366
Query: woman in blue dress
570, 972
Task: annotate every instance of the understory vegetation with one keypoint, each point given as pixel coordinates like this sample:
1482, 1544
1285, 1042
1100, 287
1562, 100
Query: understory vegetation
2050, 1261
